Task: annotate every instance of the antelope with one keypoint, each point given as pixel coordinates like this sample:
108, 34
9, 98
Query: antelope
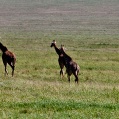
7, 57
71, 66
60, 59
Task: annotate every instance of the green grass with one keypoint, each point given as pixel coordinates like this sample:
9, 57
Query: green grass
88, 30
42, 99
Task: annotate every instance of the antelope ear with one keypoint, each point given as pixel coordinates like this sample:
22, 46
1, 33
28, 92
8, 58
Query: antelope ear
62, 46
54, 41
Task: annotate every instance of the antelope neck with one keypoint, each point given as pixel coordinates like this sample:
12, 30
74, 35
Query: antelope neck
57, 50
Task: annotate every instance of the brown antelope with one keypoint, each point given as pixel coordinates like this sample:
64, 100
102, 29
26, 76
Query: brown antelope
60, 59
8, 57
71, 66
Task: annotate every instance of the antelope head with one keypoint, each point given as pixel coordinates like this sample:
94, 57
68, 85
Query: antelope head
53, 43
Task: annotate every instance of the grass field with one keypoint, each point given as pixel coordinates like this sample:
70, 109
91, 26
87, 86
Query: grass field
89, 30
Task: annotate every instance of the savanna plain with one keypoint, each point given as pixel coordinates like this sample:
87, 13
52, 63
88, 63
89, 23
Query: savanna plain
89, 31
